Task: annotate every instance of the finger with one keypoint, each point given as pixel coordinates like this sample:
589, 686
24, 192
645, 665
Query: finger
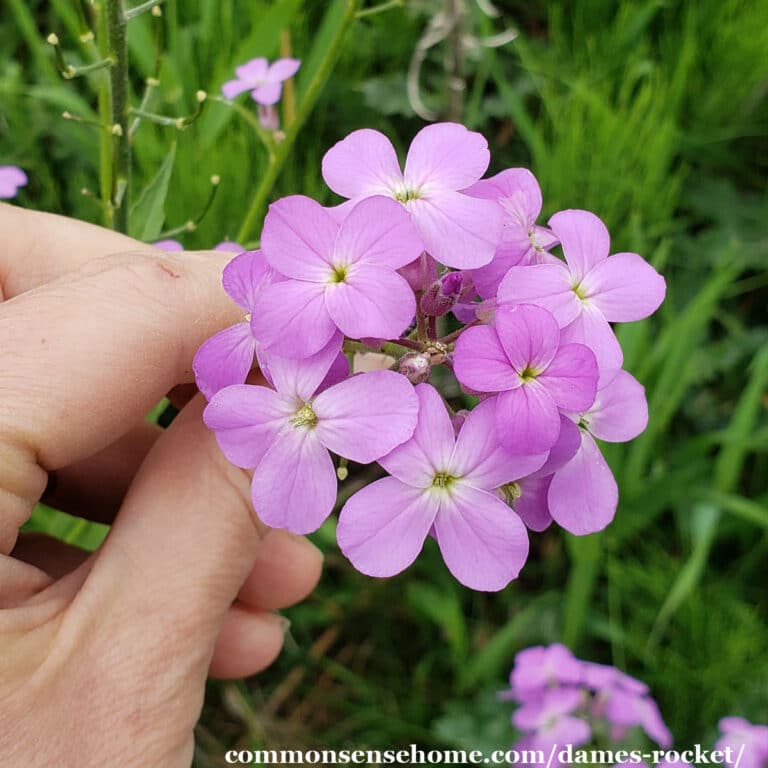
120, 333
180, 548
39, 247
287, 568
94, 488
248, 642
55, 558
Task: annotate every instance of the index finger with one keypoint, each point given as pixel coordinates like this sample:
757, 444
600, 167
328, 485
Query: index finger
39, 247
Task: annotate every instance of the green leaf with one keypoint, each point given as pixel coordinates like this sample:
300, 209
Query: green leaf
148, 212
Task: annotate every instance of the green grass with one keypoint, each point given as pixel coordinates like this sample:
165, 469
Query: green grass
652, 115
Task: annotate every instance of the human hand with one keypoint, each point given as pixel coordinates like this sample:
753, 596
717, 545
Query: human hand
103, 657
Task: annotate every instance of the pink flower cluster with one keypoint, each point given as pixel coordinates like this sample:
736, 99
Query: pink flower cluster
533, 344
564, 700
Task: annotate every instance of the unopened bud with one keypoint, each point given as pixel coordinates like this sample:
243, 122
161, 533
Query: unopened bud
201, 96
157, 11
415, 366
420, 273
442, 294
152, 82
52, 39
215, 180
117, 129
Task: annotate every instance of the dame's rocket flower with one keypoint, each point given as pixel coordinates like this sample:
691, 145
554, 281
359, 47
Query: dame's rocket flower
443, 484
11, 178
456, 229
524, 360
286, 434
590, 289
262, 79
334, 277
517, 193
227, 357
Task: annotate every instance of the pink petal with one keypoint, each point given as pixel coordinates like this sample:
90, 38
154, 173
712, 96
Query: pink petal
282, 69
480, 459
509, 254
519, 190
294, 486
429, 449
226, 358
571, 378
247, 420
528, 421
532, 506
338, 371
458, 230
584, 238
446, 156
233, 88
366, 416
169, 246
378, 231
480, 363
298, 238
620, 412
592, 329
382, 527
362, 164
253, 70
546, 285
568, 442
12, 174
421, 272
300, 378
624, 287
529, 335
267, 94
583, 495
292, 318
232, 247
373, 301
245, 277
483, 542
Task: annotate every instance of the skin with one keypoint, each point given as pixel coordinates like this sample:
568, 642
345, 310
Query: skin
104, 657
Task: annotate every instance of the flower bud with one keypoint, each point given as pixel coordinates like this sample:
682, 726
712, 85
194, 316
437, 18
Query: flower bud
415, 366
442, 294
420, 272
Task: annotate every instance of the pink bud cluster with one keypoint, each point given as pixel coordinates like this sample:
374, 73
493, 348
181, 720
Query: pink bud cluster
532, 343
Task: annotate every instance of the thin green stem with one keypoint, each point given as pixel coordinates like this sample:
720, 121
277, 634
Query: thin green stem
118, 50
106, 140
262, 192
381, 8
451, 337
192, 224
132, 13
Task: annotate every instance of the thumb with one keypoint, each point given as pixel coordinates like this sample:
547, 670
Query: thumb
182, 545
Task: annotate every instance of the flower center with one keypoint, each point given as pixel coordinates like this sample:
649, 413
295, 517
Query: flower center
443, 480
405, 195
512, 491
578, 289
305, 417
339, 273
528, 374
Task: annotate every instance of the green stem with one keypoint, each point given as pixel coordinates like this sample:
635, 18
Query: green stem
118, 51
132, 13
260, 196
106, 140
387, 6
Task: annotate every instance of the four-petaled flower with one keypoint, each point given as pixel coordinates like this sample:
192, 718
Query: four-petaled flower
286, 433
524, 360
590, 289
456, 229
262, 79
441, 484
334, 276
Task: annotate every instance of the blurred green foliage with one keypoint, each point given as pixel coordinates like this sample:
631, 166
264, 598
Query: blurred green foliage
654, 115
